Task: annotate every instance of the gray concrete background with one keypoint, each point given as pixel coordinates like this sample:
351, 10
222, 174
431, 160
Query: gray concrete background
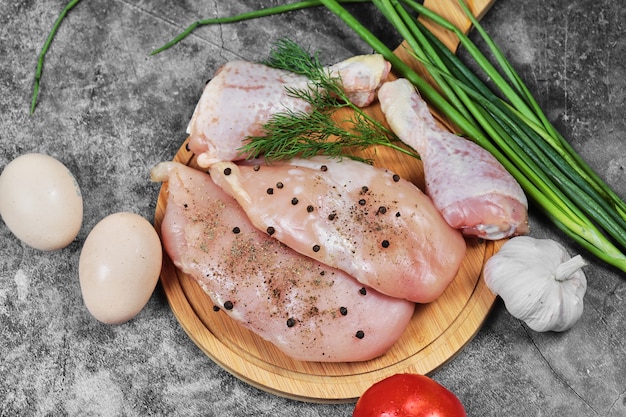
110, 112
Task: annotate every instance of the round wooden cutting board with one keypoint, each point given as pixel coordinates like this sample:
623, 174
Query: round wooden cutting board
436, 333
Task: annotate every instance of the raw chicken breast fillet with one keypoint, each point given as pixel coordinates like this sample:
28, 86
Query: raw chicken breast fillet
468, 185
309, 311
242, 96
364, 220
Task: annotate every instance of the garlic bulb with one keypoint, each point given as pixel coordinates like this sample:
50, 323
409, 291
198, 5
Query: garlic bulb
538, 282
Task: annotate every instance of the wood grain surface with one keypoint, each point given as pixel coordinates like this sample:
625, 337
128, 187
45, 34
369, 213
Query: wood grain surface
436, 333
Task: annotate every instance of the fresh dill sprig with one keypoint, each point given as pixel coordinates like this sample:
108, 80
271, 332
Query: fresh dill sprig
289, 134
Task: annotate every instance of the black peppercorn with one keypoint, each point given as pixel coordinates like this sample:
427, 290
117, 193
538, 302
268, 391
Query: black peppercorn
343, 311
360, 334
291, 322
316, 248
396, 177
228, 305
294, 201
236, 230
270, 230
385, 243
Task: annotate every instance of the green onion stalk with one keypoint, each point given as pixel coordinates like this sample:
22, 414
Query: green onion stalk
44, 50
509, 124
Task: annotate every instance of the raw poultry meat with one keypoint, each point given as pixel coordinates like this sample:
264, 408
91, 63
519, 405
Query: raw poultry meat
306, 309
369, 222
242, 96
471, 189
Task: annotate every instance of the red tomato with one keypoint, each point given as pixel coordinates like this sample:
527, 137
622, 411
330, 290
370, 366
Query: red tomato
408, 395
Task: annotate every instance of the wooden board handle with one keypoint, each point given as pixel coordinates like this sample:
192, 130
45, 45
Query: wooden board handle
452, 11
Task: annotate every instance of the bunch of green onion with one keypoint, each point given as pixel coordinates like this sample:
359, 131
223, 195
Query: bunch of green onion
507, 122
514, 128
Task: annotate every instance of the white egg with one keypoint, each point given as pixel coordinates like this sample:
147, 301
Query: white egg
119, 267
40, 201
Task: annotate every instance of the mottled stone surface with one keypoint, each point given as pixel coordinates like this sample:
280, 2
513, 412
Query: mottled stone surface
109, 111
